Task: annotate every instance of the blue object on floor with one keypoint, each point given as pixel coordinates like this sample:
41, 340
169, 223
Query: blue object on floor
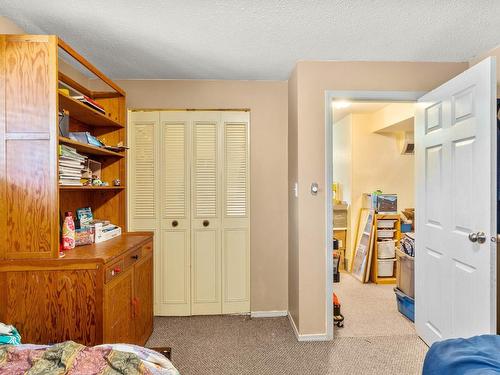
473, 356
406, 304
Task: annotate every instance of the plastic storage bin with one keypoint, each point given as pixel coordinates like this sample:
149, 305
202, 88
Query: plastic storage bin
389, 224
385, 267
386, 249
405, 273
406, 304
339, 216
385, 233
405, 227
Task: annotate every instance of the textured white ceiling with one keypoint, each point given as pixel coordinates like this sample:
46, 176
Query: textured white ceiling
258, 39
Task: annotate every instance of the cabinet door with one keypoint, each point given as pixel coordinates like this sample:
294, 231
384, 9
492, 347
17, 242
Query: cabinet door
236, 213
118, 312
205, 215
173, 277
143, 303
28, 147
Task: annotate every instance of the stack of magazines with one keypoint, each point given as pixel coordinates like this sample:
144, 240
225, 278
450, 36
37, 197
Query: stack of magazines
71, 164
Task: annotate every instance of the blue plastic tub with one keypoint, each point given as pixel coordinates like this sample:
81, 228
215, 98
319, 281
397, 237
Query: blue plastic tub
406, 305
405, 228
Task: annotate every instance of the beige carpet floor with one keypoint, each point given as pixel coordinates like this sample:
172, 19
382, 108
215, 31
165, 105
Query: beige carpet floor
376, 339
227, 345
369, 310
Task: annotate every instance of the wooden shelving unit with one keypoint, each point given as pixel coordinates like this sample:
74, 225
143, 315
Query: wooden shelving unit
89, 149
397, 235
91, 187
85, 114
103, 306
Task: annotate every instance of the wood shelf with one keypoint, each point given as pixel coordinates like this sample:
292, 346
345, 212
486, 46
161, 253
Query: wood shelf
84, 113
63, 187
89, 149
386, 280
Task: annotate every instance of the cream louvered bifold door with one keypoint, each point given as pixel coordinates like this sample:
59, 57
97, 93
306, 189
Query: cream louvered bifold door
205, 214
190, 184
175, 221
143, 184
236, 213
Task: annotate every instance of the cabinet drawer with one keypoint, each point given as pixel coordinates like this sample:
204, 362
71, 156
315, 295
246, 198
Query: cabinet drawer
114, 270
132, 256
147, 248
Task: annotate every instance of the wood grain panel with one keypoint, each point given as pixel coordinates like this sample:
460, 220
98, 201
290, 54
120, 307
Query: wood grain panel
143, 290
3, 175
27, 87
118, 314
28, 175
29, 199
53, 306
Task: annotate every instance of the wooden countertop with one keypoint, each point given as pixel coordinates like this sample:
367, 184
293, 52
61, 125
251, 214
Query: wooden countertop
106, 251
103, 252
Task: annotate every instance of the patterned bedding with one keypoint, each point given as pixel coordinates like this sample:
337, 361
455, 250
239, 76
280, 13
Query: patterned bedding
70, 358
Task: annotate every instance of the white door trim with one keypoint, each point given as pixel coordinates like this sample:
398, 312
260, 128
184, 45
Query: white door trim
375, 96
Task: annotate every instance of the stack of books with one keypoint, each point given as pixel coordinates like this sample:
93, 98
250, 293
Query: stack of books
71, 164
90, 102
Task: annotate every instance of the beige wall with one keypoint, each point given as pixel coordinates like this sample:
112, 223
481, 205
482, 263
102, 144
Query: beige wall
267, 101
9, 27
293, 233
495, 52
378, 164
342, 157
313, 79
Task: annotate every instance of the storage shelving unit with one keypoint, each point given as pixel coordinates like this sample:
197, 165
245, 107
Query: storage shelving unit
107, 202
107, 287
397, 235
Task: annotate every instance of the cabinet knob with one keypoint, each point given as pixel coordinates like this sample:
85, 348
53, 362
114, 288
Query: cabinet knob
206, 223
135, 257
175, 223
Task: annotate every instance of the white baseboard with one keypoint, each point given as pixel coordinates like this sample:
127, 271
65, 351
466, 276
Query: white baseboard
310, 337
268, 314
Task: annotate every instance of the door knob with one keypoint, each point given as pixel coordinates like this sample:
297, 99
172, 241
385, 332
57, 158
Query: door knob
206, 223
479, 237
175, 223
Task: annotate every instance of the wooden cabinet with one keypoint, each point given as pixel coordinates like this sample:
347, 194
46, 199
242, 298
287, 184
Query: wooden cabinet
143, 294
101, 293
118, 312
95, 293
128, 295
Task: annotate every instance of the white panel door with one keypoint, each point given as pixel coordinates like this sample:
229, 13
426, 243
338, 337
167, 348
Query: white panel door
143, 185
205, 214
455, 262
236, 213
175, 221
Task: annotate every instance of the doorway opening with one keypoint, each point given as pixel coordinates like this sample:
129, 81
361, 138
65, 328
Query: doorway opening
370, 156
456, 206
373, 188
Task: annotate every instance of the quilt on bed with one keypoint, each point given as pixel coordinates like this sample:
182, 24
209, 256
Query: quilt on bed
70, 358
